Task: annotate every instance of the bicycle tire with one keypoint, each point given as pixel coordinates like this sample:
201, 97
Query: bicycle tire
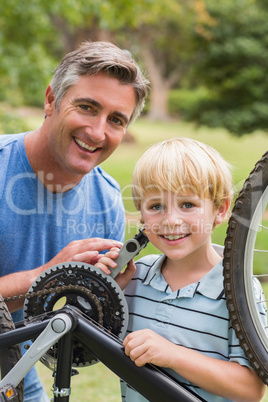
9, 356
238, 267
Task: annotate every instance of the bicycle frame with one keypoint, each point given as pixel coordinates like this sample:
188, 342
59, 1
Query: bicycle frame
69, 324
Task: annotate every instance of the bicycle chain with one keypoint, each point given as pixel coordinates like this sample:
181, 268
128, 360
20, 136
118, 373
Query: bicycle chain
47, 358
105, 297
58, 289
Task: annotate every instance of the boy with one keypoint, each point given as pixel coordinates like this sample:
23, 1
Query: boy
178, 318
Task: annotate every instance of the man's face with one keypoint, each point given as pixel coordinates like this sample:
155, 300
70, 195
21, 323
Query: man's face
89, 123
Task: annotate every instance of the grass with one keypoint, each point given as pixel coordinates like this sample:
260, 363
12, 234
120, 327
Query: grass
93, 384
97, 383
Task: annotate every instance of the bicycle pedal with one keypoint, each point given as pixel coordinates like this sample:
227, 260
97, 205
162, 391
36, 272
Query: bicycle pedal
8, 393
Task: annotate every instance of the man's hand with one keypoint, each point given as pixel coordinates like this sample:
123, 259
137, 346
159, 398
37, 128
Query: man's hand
86, 250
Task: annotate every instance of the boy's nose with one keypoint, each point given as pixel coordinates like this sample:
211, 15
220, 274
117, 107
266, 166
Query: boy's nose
173, 220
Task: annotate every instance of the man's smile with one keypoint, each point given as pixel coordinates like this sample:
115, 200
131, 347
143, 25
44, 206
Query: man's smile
83, 145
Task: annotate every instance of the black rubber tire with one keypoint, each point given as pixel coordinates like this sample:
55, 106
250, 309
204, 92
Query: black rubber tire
9, 356
237, 278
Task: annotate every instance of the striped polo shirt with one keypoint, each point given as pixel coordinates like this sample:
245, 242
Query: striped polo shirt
195, 316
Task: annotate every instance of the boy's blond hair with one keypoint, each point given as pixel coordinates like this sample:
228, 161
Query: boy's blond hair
182, 166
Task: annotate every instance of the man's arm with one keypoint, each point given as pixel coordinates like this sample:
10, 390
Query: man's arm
86, 250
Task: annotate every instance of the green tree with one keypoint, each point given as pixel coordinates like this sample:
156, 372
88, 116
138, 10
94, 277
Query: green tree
26, 48
35, 35
159, 34
161, 37
232, 41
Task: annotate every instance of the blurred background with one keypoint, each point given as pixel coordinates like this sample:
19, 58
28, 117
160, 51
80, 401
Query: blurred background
206, 60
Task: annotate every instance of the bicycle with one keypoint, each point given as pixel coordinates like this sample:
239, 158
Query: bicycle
244, 260
90, 326
87, 329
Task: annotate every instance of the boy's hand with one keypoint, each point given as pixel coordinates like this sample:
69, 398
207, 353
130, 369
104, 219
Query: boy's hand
106, 263
145, 346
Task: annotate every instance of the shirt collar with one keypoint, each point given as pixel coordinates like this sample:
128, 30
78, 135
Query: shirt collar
211, 285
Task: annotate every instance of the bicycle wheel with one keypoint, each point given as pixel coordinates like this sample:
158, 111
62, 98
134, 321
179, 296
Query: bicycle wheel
9, 356
245, 268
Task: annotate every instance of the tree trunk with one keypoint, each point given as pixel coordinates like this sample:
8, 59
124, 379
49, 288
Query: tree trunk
158, 107
72, 39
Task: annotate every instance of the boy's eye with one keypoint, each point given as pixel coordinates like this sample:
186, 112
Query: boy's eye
157, 207
187, 205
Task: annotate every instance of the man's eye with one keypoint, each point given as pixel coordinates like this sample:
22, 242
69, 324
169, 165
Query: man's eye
85, 107
116, 121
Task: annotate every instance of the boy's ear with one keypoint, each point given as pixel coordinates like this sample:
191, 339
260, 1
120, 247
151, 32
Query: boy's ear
49, 101
222, 211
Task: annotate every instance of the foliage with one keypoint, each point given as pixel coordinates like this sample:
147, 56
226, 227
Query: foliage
164, 43
10, 123
34, 37
182, 102
219, 46
233, 63
26, 44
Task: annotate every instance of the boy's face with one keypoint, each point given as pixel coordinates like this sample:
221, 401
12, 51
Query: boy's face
179, 225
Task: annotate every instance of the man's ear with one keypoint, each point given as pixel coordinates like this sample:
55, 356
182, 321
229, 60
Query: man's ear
49, 101
222, 211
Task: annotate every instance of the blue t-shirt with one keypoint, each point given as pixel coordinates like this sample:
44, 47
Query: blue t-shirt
36, 224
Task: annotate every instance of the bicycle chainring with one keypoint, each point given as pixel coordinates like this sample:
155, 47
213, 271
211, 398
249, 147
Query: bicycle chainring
87, 288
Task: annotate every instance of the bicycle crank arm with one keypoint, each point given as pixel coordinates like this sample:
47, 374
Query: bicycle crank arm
130, 249
59, 325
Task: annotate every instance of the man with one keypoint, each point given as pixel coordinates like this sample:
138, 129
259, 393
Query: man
56, 203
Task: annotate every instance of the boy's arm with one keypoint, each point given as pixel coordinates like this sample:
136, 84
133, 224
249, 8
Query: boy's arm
227, 379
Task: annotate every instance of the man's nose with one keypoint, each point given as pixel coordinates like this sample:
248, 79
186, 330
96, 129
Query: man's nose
97, 128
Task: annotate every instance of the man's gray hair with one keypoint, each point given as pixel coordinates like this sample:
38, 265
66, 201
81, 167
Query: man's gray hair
94, 57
